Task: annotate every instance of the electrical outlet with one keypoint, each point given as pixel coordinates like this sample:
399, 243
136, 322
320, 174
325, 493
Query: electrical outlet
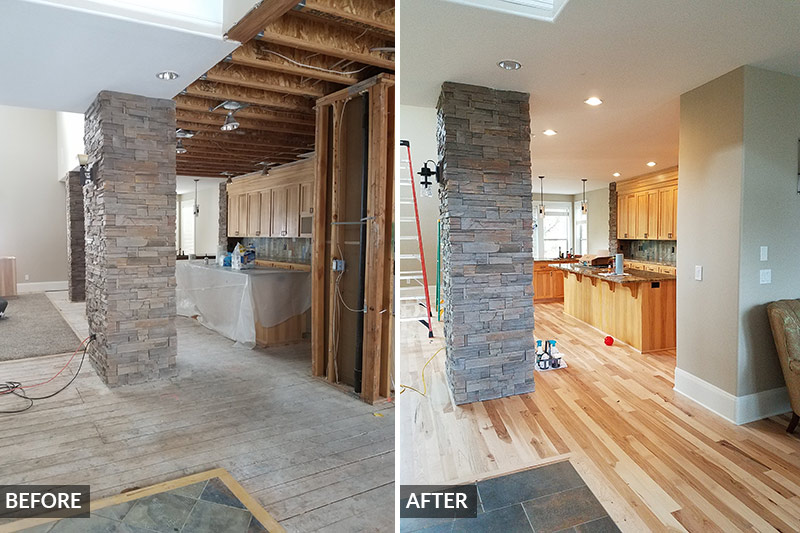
338, 265
765, 276
698, 272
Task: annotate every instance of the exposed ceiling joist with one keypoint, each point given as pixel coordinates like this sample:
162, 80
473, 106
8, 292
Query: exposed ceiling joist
315, 35
258, 17
255, 141
203, 105
215, 120
378, 14
247, 76
243, 155
222, 91
290, 61
240, 150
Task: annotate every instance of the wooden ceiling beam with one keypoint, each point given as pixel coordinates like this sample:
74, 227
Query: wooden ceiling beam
263, 55
258, 17
212, 148
246, 76
252, 139
200, 104
223, 91
315, 35
212, 120
378, 14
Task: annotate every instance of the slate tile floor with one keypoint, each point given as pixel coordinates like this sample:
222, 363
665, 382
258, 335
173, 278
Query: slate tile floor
547, 499
204, 507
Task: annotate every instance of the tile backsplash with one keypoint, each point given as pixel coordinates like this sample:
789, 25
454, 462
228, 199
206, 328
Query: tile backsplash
657, 251
291, 250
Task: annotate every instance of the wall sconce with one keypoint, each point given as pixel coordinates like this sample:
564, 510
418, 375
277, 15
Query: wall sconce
426, 173
87, 173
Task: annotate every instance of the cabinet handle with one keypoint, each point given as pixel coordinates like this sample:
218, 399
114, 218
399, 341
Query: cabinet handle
310, 209
258, 233
645, 235
283, 234
670, 235
237, 233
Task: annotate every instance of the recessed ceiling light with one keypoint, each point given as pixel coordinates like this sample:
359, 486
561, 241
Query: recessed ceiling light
651, 164
616, 174
167, 75
593, 101
509, 64
549, 132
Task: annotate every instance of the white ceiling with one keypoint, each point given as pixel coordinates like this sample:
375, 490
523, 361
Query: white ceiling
185, 184
59, 57
639, 57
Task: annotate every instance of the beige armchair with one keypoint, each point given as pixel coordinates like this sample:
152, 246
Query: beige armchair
784, 318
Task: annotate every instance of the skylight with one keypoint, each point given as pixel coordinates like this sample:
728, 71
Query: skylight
547, 10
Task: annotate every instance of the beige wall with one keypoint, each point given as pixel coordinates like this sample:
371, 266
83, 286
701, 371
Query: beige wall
32, 201
596, 219
770, 217
418, 126
709, 200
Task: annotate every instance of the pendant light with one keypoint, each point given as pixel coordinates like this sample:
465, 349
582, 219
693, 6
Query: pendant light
230, 122
180, 148
541, 196
584, 208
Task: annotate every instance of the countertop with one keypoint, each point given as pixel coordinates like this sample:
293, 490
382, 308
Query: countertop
634, 276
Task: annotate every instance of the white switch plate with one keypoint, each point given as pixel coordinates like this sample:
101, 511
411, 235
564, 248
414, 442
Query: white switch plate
764, 253
765, 276
27, 277
698, 272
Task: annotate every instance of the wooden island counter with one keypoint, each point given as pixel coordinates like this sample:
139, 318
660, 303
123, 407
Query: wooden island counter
637, 308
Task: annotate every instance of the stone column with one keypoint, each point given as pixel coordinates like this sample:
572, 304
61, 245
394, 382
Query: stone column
130, 237
76, 253
223, 215
486, 210
612, 218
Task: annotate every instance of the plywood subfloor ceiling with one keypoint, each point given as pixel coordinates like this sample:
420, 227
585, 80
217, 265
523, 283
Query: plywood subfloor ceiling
297, 53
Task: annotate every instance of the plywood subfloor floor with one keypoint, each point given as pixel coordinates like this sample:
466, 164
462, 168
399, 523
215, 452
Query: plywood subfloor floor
314, 457
655, 460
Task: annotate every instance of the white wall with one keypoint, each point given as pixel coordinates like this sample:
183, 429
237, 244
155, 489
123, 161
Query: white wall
33, 220
69, 139
418, 126
207, 221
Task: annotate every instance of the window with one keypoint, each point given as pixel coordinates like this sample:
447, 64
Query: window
581, 229
554, 230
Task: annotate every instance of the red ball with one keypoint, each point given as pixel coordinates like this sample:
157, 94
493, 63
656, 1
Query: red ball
609, 340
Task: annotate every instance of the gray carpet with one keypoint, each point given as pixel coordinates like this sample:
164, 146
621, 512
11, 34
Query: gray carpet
33, 326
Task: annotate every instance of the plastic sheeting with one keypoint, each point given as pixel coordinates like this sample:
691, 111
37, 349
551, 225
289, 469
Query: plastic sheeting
230, 301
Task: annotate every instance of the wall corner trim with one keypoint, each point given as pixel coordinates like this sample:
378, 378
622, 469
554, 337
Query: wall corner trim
735, 409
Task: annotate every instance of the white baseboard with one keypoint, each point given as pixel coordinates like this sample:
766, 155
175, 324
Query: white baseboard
41, 286
736, 409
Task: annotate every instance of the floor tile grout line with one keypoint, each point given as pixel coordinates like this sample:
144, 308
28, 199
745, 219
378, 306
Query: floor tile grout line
527, 517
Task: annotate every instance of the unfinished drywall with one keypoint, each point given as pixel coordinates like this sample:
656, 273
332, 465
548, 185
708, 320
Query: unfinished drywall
33, 201
709, 200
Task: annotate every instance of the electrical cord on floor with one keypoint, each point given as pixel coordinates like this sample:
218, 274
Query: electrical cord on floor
17, 389
424, 385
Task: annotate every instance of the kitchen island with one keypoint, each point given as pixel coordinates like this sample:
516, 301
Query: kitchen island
637, 308
257, 306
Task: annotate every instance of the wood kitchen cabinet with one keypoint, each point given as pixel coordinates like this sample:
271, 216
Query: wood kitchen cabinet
293, 211
306, 209
233, 215
647, 207
265, 213
548, 282
243, 215
280, 199
667, 207
253, 214
626, 216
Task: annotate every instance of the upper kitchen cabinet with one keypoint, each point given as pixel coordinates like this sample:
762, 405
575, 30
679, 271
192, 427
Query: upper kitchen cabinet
647, 206
278, 204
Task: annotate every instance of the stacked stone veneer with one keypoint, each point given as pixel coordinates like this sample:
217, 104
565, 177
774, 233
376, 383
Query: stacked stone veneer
76, 253
612, 218
486, 211
130, 237
222, 240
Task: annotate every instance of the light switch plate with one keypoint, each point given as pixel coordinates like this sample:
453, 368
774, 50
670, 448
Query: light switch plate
698, 272
765, 276
764, 253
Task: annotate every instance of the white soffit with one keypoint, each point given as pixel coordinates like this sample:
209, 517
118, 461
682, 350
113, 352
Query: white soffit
547, 10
